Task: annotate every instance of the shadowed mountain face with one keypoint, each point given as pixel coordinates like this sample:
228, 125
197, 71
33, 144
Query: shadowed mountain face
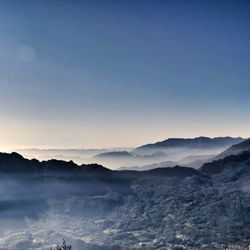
233, 164
235, 149
93, 207
15, 163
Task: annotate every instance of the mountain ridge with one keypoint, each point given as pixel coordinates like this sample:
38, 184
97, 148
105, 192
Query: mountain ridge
230, 162
235, 149
16, 162
197, 142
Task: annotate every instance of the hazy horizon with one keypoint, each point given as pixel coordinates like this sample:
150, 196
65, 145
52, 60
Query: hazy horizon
110, 148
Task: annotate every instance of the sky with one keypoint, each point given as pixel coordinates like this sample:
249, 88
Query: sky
98, 74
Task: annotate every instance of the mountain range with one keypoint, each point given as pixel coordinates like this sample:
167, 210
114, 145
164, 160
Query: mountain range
188, 152
235, 149
199, 142
93, 207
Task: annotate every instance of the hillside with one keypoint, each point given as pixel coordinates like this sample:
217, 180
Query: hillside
235, 149
16, 163
229, 165
95, 208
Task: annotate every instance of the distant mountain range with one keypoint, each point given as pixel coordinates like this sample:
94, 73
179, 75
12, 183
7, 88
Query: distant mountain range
125, 154
191, 152
16, 163
115, 159
199, 142
114, 154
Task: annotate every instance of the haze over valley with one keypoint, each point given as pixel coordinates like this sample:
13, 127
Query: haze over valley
93, 207
176, 150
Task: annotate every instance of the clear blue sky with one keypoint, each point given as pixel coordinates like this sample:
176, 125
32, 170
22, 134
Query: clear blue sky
122, 73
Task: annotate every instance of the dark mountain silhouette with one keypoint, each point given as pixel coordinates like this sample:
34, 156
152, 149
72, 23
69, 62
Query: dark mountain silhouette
199, 142
16, 163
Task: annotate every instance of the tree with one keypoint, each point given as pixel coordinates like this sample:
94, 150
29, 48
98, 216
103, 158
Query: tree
62, 246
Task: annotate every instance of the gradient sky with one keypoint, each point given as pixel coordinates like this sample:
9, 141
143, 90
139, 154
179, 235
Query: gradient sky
122, 73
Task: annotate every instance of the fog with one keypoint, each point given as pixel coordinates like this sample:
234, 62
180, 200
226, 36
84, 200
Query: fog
140, 160
133, 159
37, 211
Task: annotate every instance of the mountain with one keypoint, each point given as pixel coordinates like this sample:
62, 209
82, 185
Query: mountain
114, 154
192, 161
235, 149
118, 159
95, 208
176, 171
79, 156
195, 161
230, 165
199, 143
16, 163
164, 164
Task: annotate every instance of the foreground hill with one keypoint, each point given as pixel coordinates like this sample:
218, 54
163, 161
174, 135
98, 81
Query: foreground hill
95, 208
16, 163
233, 166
